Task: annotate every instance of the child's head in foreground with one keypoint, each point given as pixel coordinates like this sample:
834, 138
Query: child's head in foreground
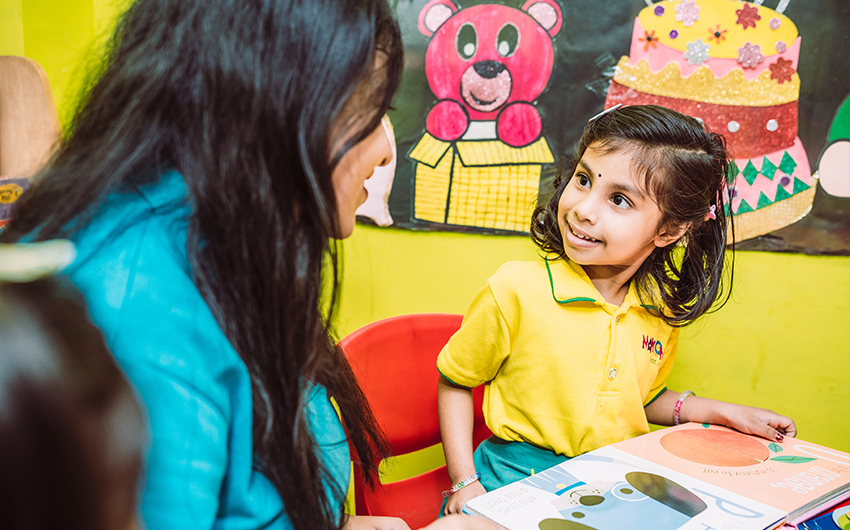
71, 432
645, 180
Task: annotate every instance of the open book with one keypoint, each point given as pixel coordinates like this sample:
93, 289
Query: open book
686, 477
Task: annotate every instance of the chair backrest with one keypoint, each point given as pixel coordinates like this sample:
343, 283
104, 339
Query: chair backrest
394, 361
29, 126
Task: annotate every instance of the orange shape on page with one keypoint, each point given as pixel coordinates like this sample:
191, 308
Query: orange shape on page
715, 448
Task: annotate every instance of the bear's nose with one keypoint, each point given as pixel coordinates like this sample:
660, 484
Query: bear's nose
489, 69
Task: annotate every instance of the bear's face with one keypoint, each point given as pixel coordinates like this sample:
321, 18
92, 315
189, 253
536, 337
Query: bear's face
487, 56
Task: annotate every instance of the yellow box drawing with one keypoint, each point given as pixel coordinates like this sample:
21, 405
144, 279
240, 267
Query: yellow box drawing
482, 183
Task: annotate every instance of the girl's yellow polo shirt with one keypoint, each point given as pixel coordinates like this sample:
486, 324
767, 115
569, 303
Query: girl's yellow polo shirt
564, 369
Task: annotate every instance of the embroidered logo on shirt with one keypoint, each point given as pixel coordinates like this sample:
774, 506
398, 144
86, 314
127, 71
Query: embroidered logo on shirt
654, 347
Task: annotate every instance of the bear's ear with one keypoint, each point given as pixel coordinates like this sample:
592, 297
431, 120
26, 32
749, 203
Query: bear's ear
546, 12
434, 14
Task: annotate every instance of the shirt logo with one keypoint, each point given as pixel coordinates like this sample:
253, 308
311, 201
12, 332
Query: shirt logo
654, 347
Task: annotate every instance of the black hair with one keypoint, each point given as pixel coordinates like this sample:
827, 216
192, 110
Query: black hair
243, 98
71, 431
685, 169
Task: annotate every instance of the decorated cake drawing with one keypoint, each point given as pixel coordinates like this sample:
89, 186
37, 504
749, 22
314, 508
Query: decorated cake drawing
733, 65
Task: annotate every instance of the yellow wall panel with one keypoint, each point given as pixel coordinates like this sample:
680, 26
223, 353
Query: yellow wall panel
11, 28
59, 35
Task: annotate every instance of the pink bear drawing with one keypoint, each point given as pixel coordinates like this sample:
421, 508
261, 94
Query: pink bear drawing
487, 64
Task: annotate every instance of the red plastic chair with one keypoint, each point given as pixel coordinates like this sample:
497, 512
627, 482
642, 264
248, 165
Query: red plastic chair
394, 361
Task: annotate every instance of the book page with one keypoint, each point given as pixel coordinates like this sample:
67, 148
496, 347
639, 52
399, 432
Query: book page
608, 489
793, 476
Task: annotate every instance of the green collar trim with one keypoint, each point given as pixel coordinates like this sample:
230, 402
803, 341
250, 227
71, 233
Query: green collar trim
580, 298
568, 300
658, 395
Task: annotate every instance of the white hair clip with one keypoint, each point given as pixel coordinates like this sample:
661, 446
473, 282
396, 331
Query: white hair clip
25, 262
604, 112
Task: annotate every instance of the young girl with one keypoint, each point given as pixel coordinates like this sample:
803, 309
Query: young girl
575, 348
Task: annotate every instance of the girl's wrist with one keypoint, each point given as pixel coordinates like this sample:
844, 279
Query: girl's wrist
704, 410
471, 479
693, 409
458, 473
677, 408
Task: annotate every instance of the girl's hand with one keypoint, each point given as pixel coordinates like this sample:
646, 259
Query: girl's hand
749, 420
370, 522
461, 522
458, 499
760, 422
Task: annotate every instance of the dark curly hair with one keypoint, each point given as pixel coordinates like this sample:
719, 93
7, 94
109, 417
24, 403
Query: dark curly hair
685, 168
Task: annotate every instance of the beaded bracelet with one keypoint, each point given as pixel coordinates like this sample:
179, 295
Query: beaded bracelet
462, 484
679, 402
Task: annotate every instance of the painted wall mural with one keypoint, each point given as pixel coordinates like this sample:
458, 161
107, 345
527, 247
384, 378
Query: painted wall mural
480, 159
495, 93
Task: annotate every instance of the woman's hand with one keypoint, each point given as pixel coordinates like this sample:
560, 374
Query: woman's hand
458, 499
461, 522
760, 422
371, 522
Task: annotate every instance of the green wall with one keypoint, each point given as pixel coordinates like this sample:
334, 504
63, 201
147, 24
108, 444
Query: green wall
63, 36
11, 28
783, 342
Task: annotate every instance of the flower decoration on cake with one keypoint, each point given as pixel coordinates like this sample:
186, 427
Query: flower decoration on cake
687, 12
781, 70
747, 16
718, 63
718, 34
649, 40
749, 55
697, 52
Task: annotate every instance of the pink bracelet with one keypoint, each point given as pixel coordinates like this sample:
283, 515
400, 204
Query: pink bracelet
679, 402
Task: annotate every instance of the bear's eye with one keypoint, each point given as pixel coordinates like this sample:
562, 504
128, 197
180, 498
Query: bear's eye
507, 41
467, 41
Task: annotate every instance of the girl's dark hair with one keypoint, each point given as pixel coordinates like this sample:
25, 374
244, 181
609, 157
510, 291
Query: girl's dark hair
71, 432
684, 167
245, 99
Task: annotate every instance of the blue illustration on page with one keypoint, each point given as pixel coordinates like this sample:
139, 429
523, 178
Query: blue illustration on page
601, 492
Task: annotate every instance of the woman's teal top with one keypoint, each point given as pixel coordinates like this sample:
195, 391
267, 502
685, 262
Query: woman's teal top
133, 270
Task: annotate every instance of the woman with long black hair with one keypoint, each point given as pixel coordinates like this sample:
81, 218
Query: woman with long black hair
218, 154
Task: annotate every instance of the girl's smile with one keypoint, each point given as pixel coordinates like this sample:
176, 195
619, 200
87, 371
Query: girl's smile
580, 238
